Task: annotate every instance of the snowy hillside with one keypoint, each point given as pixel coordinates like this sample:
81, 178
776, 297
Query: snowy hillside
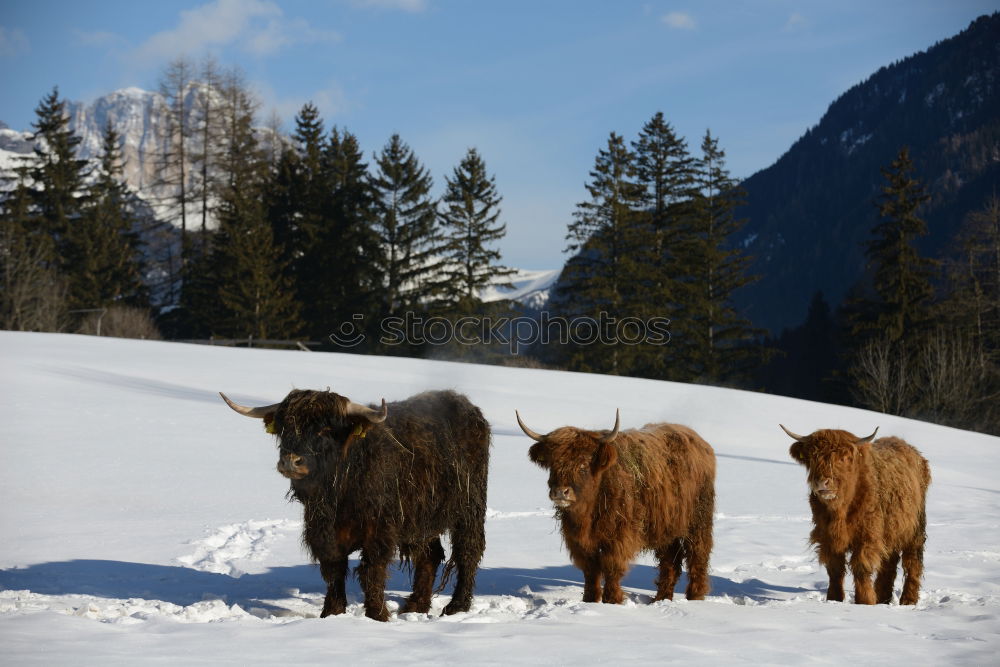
143, 521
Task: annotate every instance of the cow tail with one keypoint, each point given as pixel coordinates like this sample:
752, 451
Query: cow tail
449, 569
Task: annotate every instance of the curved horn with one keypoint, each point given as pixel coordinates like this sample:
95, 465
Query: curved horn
866, 438
373, 416
258, 413
527, 431
614, 432
793, 436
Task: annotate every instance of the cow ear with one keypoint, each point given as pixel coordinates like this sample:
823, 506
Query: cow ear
798, 452
539, 454
604, 457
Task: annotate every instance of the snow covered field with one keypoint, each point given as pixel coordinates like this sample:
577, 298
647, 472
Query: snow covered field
142, 521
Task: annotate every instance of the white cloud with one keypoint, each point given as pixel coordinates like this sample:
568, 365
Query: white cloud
12, 42
796, 22
679, 20
332, 102
411, 6
256, 26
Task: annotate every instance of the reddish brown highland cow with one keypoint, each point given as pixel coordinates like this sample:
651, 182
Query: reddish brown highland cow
868, 498
619, 493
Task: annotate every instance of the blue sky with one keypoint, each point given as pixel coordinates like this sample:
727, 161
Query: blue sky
536, 86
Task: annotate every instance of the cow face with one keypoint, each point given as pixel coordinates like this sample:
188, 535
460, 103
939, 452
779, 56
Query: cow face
314, 428
832, 458
576, 461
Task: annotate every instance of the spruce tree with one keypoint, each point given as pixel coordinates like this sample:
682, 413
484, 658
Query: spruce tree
347, 279
666, 171
901, 277
103, 256
255, 298
717, 343
470, 223
405, 221
58, 175
598, 281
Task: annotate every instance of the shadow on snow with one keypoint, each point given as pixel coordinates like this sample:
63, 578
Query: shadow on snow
184, 586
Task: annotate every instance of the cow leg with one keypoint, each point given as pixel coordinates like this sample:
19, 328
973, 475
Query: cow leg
836, 568
372, 573
886, 579
913, 564
670, 569
698, 545
612, 569
862, 568
591, 567
426, 560
334, 573
468, 545
913, 570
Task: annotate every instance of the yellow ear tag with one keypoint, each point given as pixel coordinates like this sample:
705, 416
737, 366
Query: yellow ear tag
269, 427
358, 431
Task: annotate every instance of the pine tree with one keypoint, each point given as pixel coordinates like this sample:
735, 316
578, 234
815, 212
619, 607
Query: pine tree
347, 279
718, 344
666, 171
901, 277
469, 220
102, 264
406, 225
256, 298
58, 175
600, 276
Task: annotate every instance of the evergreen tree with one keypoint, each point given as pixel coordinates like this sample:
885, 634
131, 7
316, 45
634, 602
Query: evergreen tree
717, 342
256, 299
600, 278
346, 279
666, 171
102, 264
406, 225
901, 278
58, 175
470, 224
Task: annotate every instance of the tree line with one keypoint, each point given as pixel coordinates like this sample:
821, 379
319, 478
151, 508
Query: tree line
250, 233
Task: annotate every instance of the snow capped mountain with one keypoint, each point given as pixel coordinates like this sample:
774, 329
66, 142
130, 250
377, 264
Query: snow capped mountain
530, 288
138, 116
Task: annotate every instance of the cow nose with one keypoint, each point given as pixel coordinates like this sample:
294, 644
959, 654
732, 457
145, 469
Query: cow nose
295, 460
824, 485
559, 493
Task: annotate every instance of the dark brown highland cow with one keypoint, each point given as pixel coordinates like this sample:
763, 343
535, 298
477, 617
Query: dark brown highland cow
386, 481
868, 498
619, 493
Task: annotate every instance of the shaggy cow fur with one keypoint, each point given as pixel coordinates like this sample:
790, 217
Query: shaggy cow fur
388, 487
867, 498
648, 489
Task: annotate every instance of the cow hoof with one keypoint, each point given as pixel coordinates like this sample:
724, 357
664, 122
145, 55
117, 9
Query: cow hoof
453, 608
380, 616
332, 610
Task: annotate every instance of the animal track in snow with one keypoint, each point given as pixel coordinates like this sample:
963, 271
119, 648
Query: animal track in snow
238, 541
